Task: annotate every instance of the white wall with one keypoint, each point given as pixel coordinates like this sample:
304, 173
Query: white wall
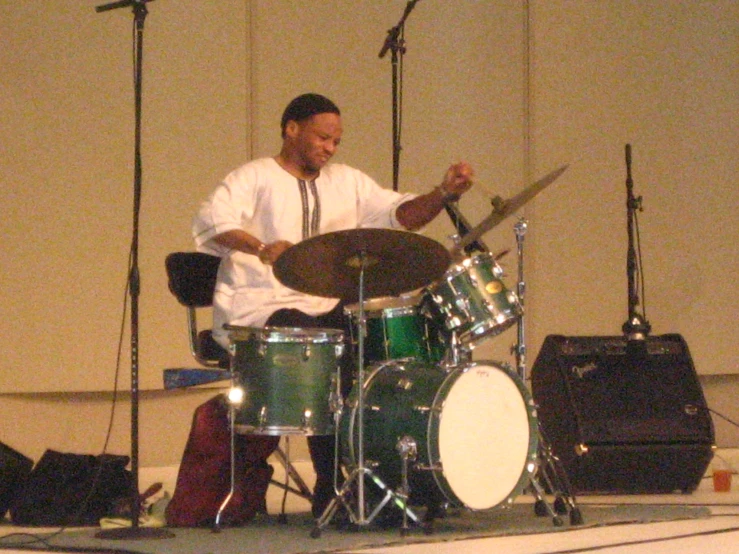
659, 75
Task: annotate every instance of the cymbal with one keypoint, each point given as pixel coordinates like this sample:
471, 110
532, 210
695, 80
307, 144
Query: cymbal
394, 262
505, 208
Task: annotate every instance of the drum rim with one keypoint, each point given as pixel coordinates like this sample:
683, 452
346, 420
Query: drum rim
384, 303
464, 266
275, 334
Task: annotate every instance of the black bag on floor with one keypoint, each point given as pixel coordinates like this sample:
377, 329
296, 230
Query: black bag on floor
72, 489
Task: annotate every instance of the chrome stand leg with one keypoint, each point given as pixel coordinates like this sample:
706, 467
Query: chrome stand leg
548, 466
555, 477
227, 500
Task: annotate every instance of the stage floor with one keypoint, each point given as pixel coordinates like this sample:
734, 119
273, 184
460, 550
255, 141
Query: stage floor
705, 522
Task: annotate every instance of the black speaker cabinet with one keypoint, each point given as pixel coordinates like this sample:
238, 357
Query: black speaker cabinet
623, 416
14, 470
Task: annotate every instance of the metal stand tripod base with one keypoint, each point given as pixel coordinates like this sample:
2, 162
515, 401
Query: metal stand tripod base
551, 471
359, 517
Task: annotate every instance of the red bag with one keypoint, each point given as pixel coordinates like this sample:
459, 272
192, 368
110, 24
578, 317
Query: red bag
204, 478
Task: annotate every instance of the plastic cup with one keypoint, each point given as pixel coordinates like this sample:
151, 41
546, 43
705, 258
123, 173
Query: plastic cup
722, 480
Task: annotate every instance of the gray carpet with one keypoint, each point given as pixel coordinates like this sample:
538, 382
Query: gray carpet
267, 536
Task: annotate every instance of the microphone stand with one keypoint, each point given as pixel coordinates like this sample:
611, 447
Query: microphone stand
636, 327
396, 44
134, 289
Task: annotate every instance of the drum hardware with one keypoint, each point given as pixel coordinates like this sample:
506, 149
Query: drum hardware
307, 414
549, 467
407, 447
235, 397
457, 353
361, 470
334, 398
519, 350
351, 265
557, 482
463, 227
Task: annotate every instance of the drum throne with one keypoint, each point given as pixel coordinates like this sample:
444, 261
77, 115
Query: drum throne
192, 278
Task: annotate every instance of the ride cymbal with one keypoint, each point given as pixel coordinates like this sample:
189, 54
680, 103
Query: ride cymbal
394, 262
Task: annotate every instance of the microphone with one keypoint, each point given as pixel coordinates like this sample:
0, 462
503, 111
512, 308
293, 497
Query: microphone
628, 161
392, 39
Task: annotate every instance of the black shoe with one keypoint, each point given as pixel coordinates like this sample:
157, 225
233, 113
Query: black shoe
323, 493
390, 517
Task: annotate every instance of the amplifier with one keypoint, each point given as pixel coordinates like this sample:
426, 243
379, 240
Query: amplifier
14, 470
623, 416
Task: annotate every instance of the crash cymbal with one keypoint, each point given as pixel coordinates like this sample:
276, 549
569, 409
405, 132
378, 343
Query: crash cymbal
394, 262
505, 208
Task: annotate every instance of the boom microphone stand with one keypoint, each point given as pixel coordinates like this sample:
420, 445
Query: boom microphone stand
396, 44
134, 289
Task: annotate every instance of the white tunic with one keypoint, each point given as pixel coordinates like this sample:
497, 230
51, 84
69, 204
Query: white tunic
265, 200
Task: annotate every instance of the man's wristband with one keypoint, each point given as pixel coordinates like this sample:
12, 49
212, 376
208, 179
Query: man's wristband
447, 196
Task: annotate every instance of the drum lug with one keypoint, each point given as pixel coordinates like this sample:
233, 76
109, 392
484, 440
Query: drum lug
407, 447
334, 398
306, 419
404, 384
463, 303
434, 467
263, 417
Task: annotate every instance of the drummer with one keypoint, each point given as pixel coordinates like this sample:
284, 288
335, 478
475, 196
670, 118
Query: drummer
265, 206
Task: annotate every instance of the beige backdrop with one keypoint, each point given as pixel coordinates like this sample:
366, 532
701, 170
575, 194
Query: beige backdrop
516, 88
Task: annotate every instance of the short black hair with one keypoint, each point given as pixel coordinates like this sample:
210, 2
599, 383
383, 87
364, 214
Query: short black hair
305, 106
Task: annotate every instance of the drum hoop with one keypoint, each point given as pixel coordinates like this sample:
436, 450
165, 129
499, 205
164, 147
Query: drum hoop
465, 265
297, 335
377, 306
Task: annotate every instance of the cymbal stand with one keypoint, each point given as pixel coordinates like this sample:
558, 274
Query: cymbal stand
519, 350
360, 471
548, 466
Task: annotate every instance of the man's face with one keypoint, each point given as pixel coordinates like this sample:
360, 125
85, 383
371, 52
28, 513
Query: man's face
315, 140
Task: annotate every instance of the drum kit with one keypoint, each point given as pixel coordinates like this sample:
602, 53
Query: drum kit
424, 424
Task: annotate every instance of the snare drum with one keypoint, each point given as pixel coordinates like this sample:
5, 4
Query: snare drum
474, 428
472, 299
289, 377
397, 329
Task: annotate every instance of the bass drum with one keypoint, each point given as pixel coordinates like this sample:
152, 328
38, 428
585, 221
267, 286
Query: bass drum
474, 426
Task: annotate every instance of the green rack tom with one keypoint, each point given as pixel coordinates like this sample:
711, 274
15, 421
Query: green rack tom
472, 299
397, 328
